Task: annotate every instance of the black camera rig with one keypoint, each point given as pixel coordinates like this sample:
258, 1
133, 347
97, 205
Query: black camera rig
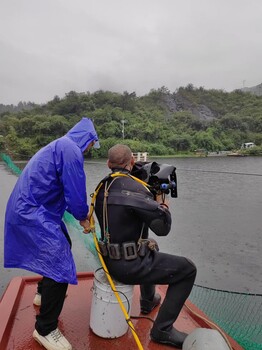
160, 177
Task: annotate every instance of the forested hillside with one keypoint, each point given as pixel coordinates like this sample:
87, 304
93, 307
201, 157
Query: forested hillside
161, 122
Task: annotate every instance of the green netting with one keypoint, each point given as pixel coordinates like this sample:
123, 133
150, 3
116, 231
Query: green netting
10, 164
88, 240
238, 314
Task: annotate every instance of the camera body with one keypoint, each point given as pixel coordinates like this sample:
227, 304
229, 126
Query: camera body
160, 177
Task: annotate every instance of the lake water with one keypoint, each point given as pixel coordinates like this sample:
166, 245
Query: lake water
217, 220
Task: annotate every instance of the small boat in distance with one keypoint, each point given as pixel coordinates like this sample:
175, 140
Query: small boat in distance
17, 315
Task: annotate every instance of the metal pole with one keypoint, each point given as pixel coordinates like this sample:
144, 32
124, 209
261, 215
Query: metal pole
123, 128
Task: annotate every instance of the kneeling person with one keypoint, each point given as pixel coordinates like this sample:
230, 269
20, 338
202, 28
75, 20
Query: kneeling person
126, 210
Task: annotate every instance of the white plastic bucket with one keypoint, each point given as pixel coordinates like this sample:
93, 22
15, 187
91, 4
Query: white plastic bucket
106, 318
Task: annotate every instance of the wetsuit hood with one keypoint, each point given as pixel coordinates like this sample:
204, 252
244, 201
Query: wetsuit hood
83, 133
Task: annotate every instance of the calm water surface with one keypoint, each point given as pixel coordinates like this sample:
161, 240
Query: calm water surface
217, 220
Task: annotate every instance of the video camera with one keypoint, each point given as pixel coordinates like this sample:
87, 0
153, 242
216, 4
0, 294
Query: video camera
161, 177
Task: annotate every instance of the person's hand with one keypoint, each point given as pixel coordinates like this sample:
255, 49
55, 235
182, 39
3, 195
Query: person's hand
86, 225
162, 201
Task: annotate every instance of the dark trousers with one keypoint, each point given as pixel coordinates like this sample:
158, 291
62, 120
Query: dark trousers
177, 272
176, 295
180, 277
52, 301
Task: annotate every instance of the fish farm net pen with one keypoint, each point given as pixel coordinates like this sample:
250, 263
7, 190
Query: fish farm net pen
237, 314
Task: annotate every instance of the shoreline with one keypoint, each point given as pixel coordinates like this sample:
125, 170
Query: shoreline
190, 155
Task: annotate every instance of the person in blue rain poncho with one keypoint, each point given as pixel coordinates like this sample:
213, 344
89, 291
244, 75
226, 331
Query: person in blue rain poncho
36, 239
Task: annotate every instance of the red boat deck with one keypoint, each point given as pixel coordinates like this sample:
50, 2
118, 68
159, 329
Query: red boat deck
17, 314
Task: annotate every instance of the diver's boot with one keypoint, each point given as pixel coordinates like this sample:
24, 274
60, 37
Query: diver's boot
172, 337
148, 305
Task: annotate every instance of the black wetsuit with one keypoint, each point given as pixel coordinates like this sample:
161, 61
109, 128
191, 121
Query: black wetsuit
132, 209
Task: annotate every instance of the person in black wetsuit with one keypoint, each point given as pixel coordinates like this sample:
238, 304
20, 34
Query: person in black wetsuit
126, 210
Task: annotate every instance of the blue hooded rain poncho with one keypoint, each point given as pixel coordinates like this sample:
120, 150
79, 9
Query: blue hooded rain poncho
53, 181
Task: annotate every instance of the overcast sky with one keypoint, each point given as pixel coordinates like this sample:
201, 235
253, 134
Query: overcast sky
50, 47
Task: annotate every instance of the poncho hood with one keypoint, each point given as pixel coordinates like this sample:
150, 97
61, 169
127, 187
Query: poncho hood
83, 133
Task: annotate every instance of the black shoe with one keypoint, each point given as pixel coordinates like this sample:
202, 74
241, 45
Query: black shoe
173, 337
148, 305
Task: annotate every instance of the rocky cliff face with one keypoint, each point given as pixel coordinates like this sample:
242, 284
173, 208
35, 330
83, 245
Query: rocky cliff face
177, 103
256, 90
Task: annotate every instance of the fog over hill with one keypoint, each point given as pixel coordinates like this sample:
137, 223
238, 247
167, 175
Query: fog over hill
256, 90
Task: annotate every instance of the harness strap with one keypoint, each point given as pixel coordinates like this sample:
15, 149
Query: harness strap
94, 195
